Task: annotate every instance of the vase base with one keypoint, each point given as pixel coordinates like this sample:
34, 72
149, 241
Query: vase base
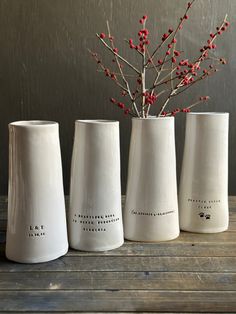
99, 249
211, 230
42, 259
140, 239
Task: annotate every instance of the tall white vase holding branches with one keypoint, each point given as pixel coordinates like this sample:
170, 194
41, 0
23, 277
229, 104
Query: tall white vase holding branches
151, 207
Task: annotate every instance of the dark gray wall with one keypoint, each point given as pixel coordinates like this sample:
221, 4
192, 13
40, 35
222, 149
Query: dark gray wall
46, 72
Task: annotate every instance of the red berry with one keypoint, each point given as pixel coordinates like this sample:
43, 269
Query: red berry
160, 61
176, 53
141, 21
174, 41
145, 17
170, 30
168, 52
186, 17
164, 36
173, 59
170, 46
121, 105
102, 35
115, 50
227, 23
113, 100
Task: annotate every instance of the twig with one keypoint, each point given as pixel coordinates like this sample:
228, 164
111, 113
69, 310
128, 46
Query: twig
122, 74
118, 55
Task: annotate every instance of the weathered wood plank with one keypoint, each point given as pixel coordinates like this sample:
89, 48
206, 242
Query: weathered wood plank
115, 301
126, 263
143, 280
113, 312
168, 249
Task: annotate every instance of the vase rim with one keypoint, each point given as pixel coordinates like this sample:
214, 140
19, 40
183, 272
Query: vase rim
33, 123
208, 113
96, 121
153, 118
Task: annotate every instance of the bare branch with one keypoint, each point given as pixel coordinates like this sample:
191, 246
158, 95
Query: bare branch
118, 55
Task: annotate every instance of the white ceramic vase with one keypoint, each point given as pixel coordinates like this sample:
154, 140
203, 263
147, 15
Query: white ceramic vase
95, 215
151, 208
203, 194
36, 229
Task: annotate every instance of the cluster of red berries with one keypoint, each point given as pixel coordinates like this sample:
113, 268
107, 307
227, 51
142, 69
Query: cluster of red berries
186, 110
204, 98
121, 105
191, 69
175, 111
143, 40
110, 74
185, 70
149, 98
143, 19
210, 45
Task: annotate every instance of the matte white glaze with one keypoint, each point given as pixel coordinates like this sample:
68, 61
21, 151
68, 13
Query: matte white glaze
95, 216
36, 229
151, 208
203, 194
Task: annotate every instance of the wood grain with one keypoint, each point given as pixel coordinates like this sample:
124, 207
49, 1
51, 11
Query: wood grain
126, 263
125, 300
142, 280
192, 274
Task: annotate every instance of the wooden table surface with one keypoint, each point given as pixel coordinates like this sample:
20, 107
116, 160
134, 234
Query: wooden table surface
194, 273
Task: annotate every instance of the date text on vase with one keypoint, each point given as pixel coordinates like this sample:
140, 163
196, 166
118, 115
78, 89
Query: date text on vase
36, 231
